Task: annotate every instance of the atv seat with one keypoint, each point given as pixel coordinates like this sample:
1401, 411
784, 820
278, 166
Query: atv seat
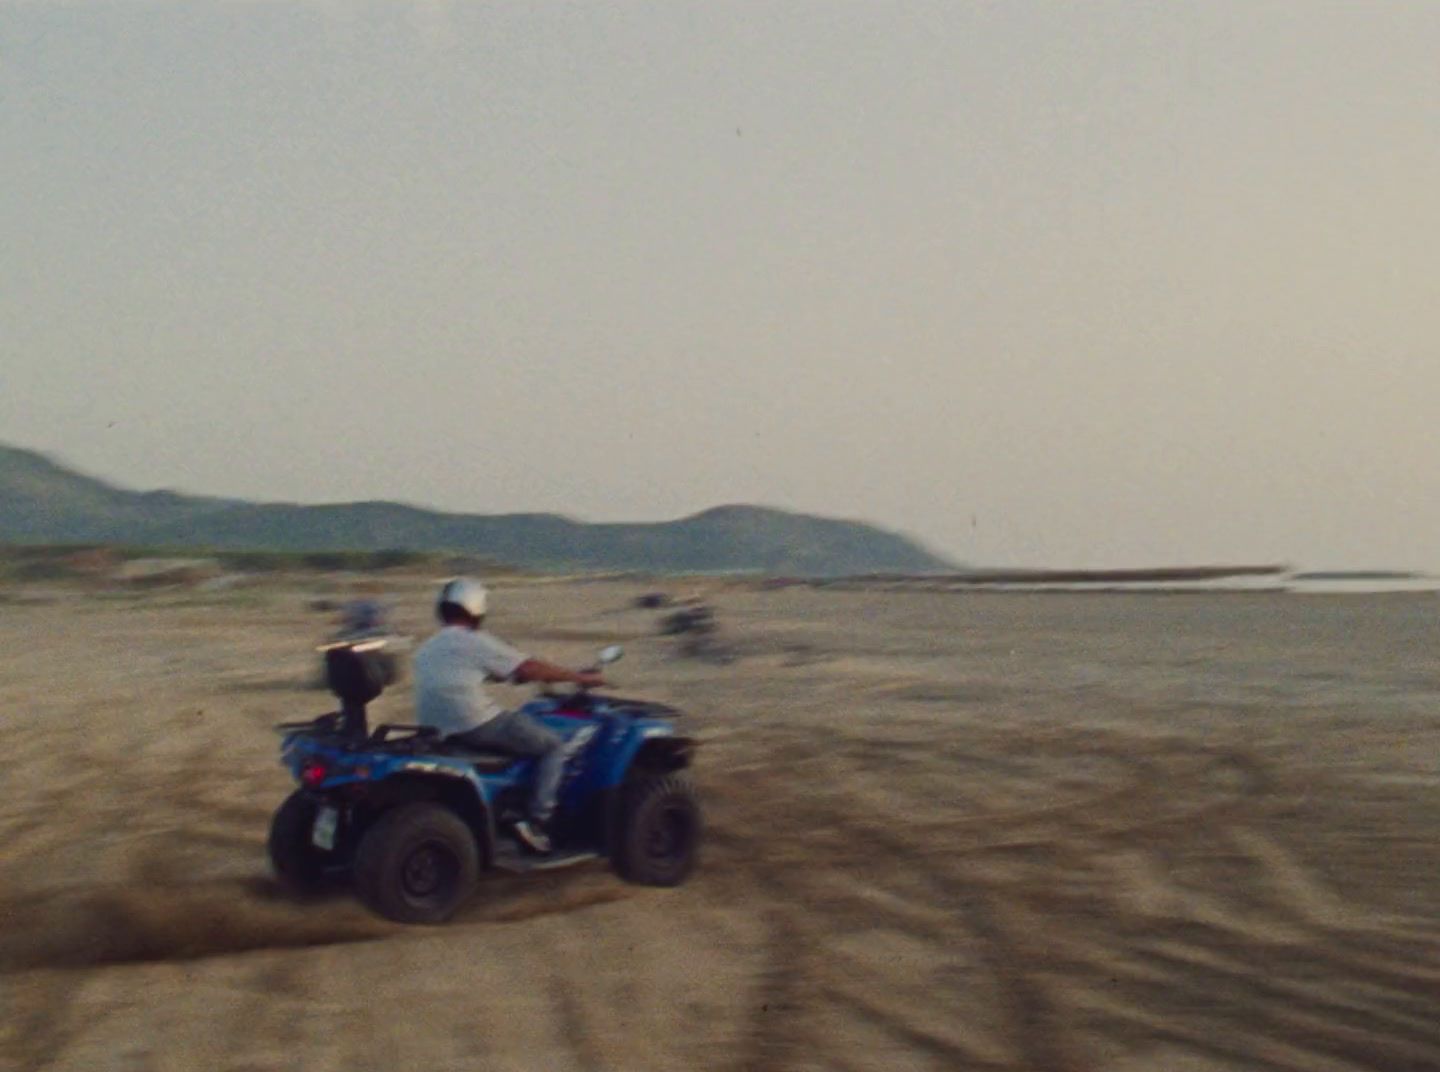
485, 760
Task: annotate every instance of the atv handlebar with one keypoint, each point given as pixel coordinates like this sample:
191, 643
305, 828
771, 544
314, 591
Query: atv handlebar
604, 658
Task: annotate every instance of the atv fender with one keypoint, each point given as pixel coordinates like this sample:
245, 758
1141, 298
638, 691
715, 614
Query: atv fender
655, 749
650, 754
458, 794
660, 755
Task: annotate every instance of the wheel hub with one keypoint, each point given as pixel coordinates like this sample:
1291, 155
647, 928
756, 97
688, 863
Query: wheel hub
667, 837
425, 871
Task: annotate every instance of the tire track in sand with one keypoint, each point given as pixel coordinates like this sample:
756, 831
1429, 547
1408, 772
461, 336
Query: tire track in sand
932, 878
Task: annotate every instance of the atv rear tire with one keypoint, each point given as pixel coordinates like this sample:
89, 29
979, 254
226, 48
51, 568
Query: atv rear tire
299, 865
417, 864
660, 831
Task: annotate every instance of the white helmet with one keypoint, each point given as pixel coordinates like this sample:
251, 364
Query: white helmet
466, 593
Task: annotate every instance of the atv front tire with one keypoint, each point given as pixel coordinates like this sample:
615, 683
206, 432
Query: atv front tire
659, 832
417, 864
298, 864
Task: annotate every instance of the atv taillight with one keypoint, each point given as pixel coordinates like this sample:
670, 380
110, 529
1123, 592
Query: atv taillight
313, 773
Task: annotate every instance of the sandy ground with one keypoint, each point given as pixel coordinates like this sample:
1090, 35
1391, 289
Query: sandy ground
979, 831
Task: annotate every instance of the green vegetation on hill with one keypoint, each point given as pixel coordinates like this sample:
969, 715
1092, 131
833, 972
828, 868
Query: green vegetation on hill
43, 502
141, 565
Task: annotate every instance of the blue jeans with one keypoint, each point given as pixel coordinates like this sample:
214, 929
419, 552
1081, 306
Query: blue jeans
518, 734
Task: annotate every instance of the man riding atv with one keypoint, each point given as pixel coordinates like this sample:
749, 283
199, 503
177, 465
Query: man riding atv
451, 669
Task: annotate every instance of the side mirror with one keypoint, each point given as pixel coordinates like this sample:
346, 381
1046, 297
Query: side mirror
610, 655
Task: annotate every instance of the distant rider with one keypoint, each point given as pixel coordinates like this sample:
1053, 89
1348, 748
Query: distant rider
451, 669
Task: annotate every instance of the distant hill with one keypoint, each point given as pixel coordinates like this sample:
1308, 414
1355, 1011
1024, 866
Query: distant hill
42, 501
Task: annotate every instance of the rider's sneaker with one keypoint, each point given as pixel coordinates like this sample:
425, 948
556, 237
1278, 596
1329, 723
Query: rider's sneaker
529, 834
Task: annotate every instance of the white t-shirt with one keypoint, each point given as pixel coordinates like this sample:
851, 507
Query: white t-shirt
451, 669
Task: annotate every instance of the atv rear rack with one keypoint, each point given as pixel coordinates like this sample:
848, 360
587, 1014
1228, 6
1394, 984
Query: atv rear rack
387, 734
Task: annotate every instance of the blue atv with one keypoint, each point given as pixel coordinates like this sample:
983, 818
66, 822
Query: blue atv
413, 819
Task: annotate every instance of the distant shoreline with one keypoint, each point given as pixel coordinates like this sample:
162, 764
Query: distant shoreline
1084, 576
1172, 580
137, 567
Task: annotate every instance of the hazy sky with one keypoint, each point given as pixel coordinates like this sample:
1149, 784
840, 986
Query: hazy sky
1041, 283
